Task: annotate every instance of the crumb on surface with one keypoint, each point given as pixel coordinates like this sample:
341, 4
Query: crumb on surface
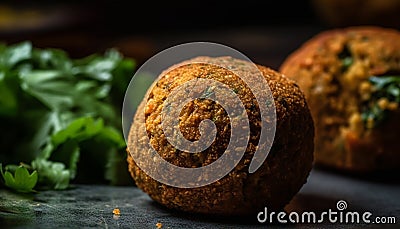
159, 225
116, 211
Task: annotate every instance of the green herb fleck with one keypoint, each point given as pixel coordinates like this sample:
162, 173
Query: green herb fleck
384, 87
346, 63
346, 58
208, 92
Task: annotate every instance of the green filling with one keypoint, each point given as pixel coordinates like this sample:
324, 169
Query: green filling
385, 87
346, 58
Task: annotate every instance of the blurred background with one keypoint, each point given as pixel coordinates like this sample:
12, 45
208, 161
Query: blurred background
266, 31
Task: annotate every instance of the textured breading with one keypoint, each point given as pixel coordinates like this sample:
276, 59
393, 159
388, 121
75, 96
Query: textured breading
238, 193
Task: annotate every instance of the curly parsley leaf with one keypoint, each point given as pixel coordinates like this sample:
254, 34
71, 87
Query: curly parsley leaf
62, 111
21, 181
53, 175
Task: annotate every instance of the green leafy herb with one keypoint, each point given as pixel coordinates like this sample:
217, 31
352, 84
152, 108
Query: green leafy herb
53, 175
21, 181
346, 58
208, 92
387, 86
347, 62
384, 87
59, 111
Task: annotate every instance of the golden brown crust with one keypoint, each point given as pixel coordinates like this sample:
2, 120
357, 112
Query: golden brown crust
239, 193
335, 93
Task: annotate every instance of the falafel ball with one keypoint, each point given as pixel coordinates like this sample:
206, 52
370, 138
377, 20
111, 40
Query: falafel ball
351, 80
273, 185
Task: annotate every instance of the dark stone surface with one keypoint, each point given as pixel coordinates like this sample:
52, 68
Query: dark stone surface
90, 206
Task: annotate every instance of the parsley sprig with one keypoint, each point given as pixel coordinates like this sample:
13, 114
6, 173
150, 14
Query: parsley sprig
384, 87
21, 181
58, 114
